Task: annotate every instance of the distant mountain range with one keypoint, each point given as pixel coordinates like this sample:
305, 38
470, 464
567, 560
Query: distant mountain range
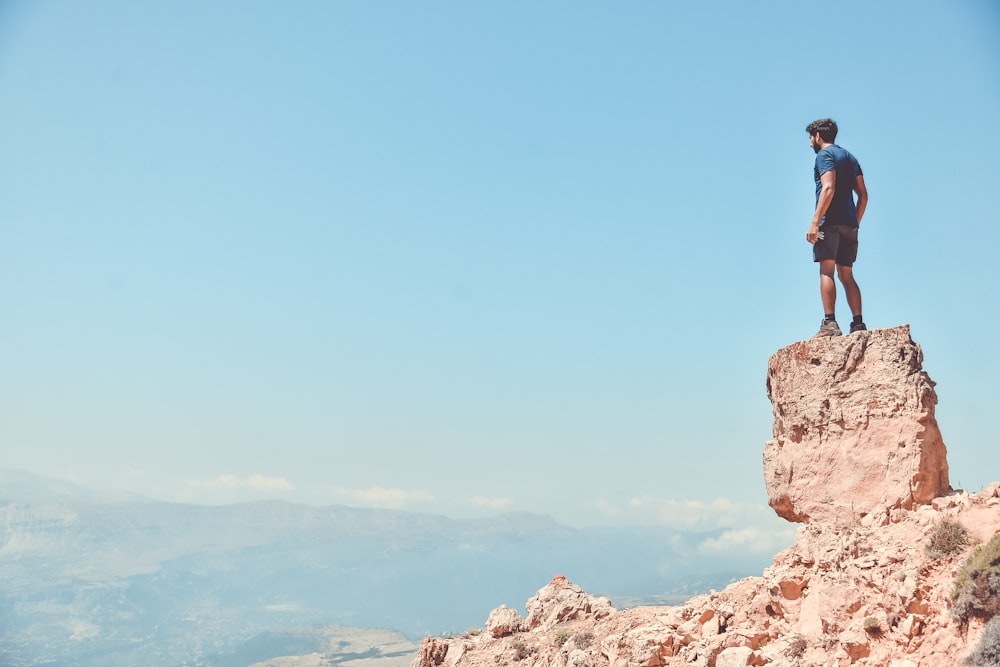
96, 580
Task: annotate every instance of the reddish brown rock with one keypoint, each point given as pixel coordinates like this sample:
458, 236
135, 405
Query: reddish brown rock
813, 607
432, 652
854, 428
562, 600
504, 621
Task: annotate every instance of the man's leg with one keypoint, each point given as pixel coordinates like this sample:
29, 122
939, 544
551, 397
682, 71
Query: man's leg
827, 287
825, 254
851, 289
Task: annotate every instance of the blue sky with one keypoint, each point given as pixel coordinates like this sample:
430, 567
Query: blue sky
473, 257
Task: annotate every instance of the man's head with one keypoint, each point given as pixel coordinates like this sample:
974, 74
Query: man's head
824, 130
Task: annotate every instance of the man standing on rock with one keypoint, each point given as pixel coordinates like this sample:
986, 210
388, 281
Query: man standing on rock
834, 228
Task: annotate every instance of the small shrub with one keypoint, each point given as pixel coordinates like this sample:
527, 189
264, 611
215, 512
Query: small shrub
562, 636
976, 593
473, 632
583, 640
522, 650
949, 538
872, 626
797, 648
987, 651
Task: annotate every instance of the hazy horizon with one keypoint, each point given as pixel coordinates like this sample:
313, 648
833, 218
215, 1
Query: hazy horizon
93, 581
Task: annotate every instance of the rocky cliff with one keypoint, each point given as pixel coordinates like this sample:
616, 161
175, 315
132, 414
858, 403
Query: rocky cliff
854, 428
858, 459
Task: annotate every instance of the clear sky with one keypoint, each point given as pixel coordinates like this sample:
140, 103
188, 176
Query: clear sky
471, 257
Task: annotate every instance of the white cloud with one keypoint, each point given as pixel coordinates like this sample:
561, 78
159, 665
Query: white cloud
492, 503
253, 482
734, 526
750, 539
693, 516
270, 483
378, 496
605, 508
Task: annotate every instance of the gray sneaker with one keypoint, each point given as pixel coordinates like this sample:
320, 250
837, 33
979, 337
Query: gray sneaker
828, 328
859, 326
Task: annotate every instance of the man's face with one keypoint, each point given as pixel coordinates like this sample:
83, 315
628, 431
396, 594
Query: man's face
814, 143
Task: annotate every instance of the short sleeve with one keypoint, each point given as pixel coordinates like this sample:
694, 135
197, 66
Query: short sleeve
825, 162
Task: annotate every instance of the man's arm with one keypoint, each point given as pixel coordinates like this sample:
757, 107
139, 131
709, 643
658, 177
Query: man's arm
827, 183
862, 192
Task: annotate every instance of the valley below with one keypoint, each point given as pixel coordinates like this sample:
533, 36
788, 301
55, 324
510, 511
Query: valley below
91, 581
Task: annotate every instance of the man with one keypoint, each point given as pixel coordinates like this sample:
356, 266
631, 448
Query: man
833, 231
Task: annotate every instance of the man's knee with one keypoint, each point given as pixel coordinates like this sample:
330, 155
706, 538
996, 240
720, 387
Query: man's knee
849, 283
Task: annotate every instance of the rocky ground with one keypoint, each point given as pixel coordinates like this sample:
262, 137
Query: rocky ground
858, 459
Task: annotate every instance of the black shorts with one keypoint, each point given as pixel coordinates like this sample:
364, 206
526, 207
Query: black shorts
839, 242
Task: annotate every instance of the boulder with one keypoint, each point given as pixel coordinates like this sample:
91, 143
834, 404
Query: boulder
854, 428
561, 600
504, 621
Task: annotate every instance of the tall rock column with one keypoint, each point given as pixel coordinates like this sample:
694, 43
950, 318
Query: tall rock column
854, 428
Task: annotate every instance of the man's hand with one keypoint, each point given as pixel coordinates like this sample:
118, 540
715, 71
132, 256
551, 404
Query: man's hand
813, 234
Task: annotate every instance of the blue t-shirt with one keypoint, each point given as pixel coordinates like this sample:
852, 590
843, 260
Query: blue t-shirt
842, 210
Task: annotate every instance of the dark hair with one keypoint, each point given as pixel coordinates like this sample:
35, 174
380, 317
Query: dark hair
826, 127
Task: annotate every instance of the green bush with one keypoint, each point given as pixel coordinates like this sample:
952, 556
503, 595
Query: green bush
562, 636
987, 651
976, 593
949, 538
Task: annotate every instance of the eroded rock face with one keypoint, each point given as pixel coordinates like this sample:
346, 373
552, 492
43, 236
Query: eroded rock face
504, 621
858, 458
854, 428
865, 595
562, 600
